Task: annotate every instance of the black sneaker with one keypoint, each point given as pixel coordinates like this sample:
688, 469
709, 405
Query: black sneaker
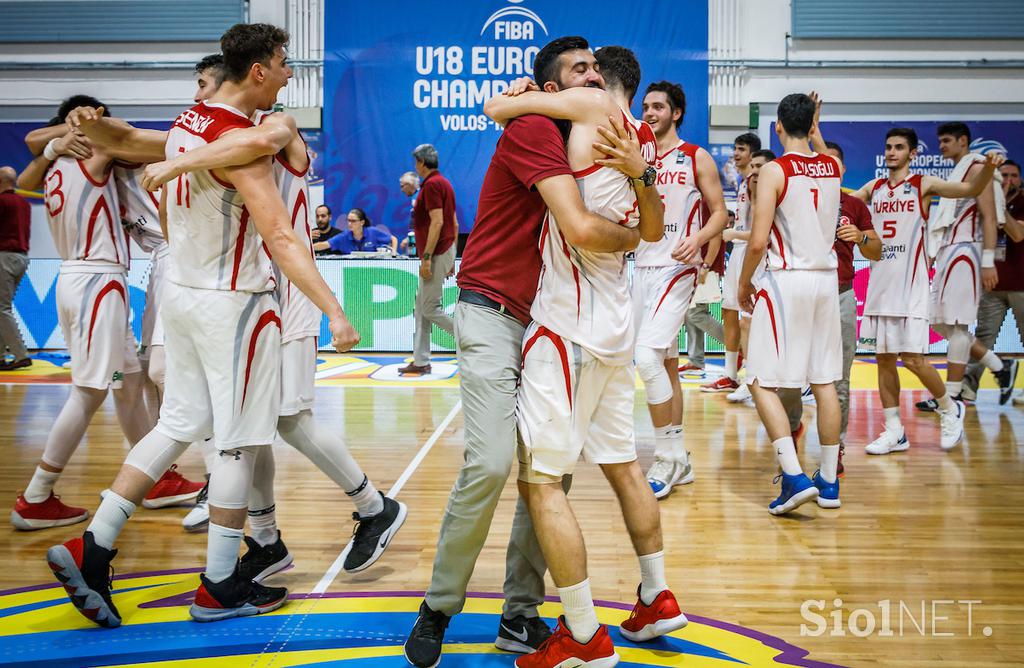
928, 405
423, 647
521, 634
83, 567
1006, 378
261, 561
234, 597
372, 535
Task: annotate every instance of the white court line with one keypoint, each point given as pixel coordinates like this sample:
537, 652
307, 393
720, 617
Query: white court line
335, 568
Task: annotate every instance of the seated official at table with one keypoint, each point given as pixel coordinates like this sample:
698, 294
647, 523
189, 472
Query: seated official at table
360, 238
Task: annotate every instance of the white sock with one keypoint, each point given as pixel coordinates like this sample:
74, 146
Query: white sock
992, 362
668, 444
110, 518
263, 524
892, 420
683, 457
580, 616
652, 576
368, 500
730, 363
786, 452
41, 485
829, 462
953, 387
945, 402
222, 545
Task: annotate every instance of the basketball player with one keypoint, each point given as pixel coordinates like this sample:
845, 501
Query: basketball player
895, 316
794, 329
576, 390
92, 306
957, 287
663, 286
379, 518
744, 148
223, 336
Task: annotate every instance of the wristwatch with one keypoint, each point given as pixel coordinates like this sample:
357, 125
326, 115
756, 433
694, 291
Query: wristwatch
649, 177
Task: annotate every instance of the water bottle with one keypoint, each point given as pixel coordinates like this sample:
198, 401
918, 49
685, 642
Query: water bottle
411, 243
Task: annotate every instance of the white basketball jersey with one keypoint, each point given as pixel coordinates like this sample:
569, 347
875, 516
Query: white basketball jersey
139, 207
584, 296
214, 244
898, 283
83, 215
299, 316
677, 185
744, 213
806, 214
966, 227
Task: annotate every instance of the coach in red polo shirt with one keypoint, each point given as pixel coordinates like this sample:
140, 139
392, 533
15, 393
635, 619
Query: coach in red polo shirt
436, 228
529, 174
15, 227
1009, 291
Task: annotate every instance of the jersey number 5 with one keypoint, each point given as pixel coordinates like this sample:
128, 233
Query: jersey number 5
888, 229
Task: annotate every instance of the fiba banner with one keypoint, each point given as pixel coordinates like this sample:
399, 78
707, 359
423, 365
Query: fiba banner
863, 145
421, 72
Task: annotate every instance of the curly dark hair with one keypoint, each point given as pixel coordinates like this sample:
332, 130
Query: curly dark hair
246, 43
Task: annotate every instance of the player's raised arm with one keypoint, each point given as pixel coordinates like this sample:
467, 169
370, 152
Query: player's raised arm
238, 147
255, 183
580, 227
119, 138
77, 145
815, 136
572, 104
769, 184
932, 185
67, 143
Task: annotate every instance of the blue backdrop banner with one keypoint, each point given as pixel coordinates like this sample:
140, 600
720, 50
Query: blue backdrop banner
419, 75
863, 145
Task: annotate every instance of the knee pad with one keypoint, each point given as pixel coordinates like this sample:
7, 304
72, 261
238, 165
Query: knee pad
960, 340
231, 479
154, 454
650, 364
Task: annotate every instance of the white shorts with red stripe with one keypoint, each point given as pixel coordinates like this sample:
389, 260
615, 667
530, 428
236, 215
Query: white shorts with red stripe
895, 334
956, 285
92, 308
298, 375
795, 333
731, 280
662, 296
152, 327
223, 366
569, 403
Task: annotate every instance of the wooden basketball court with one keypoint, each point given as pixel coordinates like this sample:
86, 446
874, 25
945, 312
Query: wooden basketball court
922, 532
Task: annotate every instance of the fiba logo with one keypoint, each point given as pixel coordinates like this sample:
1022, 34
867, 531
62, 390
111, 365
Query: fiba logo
514, 23
986, 146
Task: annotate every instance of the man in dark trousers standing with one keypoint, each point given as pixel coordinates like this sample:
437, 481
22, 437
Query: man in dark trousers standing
15, 227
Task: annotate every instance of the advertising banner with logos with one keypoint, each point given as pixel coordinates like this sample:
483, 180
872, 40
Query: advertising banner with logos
422, 73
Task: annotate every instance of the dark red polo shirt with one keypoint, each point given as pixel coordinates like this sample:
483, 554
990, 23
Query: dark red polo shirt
1011, 270
852, 211
436, 192
15, 222
502, 258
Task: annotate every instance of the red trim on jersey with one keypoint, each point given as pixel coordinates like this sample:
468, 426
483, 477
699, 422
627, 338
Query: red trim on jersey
919, 252
625, 216
239, 246
878, 185
672, 283
587, 171
575, 276
287, 165
266, 318
782, 193
562, 354
112, 286
916, 181
221, 119
224, 184
544, 233
671, 150
771, 314
127, 165
693, 212
949, 272
88, 176
970, 212
152, 198
101, 205
782, 248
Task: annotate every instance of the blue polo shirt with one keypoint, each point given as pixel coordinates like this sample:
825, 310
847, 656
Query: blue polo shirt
372, 239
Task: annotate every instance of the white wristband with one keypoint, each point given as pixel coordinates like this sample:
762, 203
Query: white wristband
49, 153
988, 259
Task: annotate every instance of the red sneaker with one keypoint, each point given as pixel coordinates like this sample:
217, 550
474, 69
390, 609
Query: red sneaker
45, 514
648, 622
690, 368
562, 649
83, 568
172, 489
723, 384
